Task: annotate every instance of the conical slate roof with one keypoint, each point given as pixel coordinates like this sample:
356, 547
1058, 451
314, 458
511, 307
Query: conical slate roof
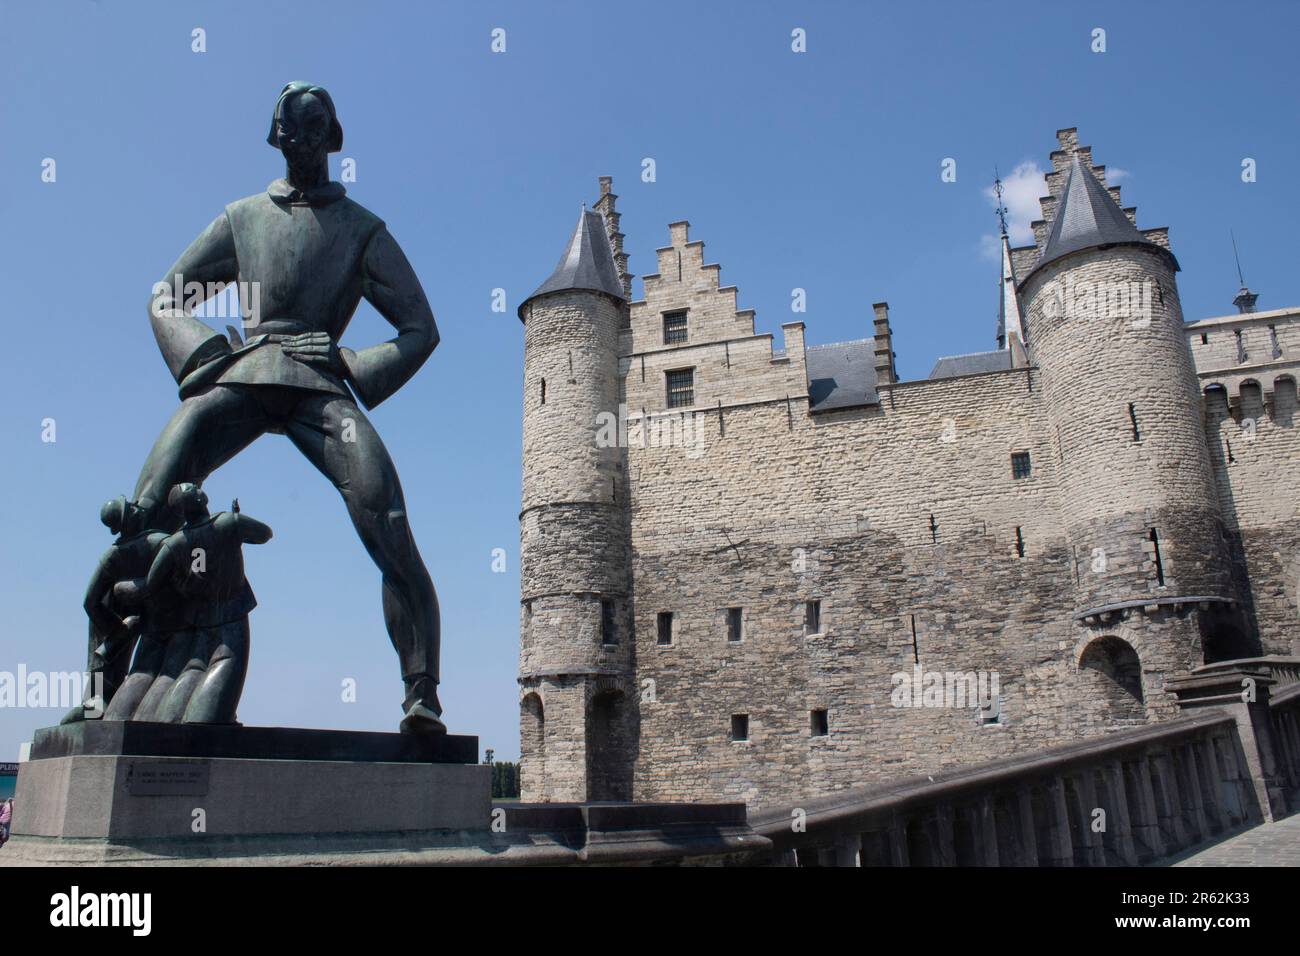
587, 262
1087, 217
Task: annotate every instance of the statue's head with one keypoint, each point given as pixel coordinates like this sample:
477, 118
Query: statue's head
189, 499
114, 514
304, 125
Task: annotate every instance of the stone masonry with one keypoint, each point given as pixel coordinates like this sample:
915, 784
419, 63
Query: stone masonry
763, 570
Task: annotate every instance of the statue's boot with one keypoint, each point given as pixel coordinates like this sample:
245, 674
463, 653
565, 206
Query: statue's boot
422, 711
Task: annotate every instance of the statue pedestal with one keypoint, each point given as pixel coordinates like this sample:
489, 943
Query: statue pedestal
106, 791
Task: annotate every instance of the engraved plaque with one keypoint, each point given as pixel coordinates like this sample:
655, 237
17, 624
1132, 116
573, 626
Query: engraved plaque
169, 779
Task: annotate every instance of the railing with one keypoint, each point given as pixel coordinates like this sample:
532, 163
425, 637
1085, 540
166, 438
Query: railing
1127, 798
1284, 710
1284, 669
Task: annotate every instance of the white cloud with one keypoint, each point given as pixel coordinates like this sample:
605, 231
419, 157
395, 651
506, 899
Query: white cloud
1114, 174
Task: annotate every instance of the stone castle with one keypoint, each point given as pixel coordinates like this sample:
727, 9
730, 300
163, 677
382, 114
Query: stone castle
759, 571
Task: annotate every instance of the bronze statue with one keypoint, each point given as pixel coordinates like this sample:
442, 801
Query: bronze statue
193, 653
114, 627
312, 254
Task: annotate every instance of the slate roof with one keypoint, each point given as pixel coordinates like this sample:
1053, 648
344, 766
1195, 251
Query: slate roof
587, 262
842, 375
972, 364
1086, 217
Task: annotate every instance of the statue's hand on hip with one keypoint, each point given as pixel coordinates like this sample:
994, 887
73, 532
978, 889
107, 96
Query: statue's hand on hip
316, 349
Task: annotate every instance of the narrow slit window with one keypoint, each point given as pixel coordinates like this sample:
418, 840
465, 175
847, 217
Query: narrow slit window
1155, 556
740, 726
543, 391
1241, 347
665, 627
1205, 338
1273, 342
818, 723
812, 617
608, 623
1020, 467
1133, 420
1020, 544
735, 625
675, 327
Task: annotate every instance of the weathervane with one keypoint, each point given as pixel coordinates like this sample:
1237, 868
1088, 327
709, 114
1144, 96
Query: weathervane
1002, 209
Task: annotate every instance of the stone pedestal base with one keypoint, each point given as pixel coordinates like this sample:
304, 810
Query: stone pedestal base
105, 791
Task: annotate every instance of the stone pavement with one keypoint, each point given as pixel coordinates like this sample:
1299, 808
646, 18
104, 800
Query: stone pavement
1270, 844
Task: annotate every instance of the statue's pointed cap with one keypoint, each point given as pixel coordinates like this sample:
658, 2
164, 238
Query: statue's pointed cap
587, 262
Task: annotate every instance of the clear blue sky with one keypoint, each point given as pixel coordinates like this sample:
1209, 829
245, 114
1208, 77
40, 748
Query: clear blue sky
818, 171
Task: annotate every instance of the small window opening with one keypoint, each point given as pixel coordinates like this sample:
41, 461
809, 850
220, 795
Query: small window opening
1273, 341
740, 726
608, 623
735, 625
812, 617
1020, 544
1133, 420
1155, 555
543, 391
818, 724
665, 627
1020, 467
1205, 338
1241, 347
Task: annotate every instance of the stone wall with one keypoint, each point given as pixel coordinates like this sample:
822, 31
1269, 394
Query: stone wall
902, 520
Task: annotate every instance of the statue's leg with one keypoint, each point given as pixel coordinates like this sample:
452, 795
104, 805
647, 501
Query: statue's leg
216, 700
189, 680
176, 654
146, 666
205, 432
338, 439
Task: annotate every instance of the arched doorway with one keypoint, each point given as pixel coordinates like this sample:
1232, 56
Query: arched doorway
1111, 670
532, 747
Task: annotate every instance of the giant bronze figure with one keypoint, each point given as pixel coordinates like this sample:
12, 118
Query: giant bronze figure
310, 254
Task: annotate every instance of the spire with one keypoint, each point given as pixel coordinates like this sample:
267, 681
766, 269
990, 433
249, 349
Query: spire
587, 262
1011, 332
1245, 300
1086, 217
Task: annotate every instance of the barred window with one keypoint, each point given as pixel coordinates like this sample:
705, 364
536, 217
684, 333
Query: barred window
608, 623
1020, 464
674, 327
681, 388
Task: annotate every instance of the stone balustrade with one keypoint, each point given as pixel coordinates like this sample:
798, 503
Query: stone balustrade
1127, 798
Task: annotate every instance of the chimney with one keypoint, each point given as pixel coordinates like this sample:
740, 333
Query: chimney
885, 374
